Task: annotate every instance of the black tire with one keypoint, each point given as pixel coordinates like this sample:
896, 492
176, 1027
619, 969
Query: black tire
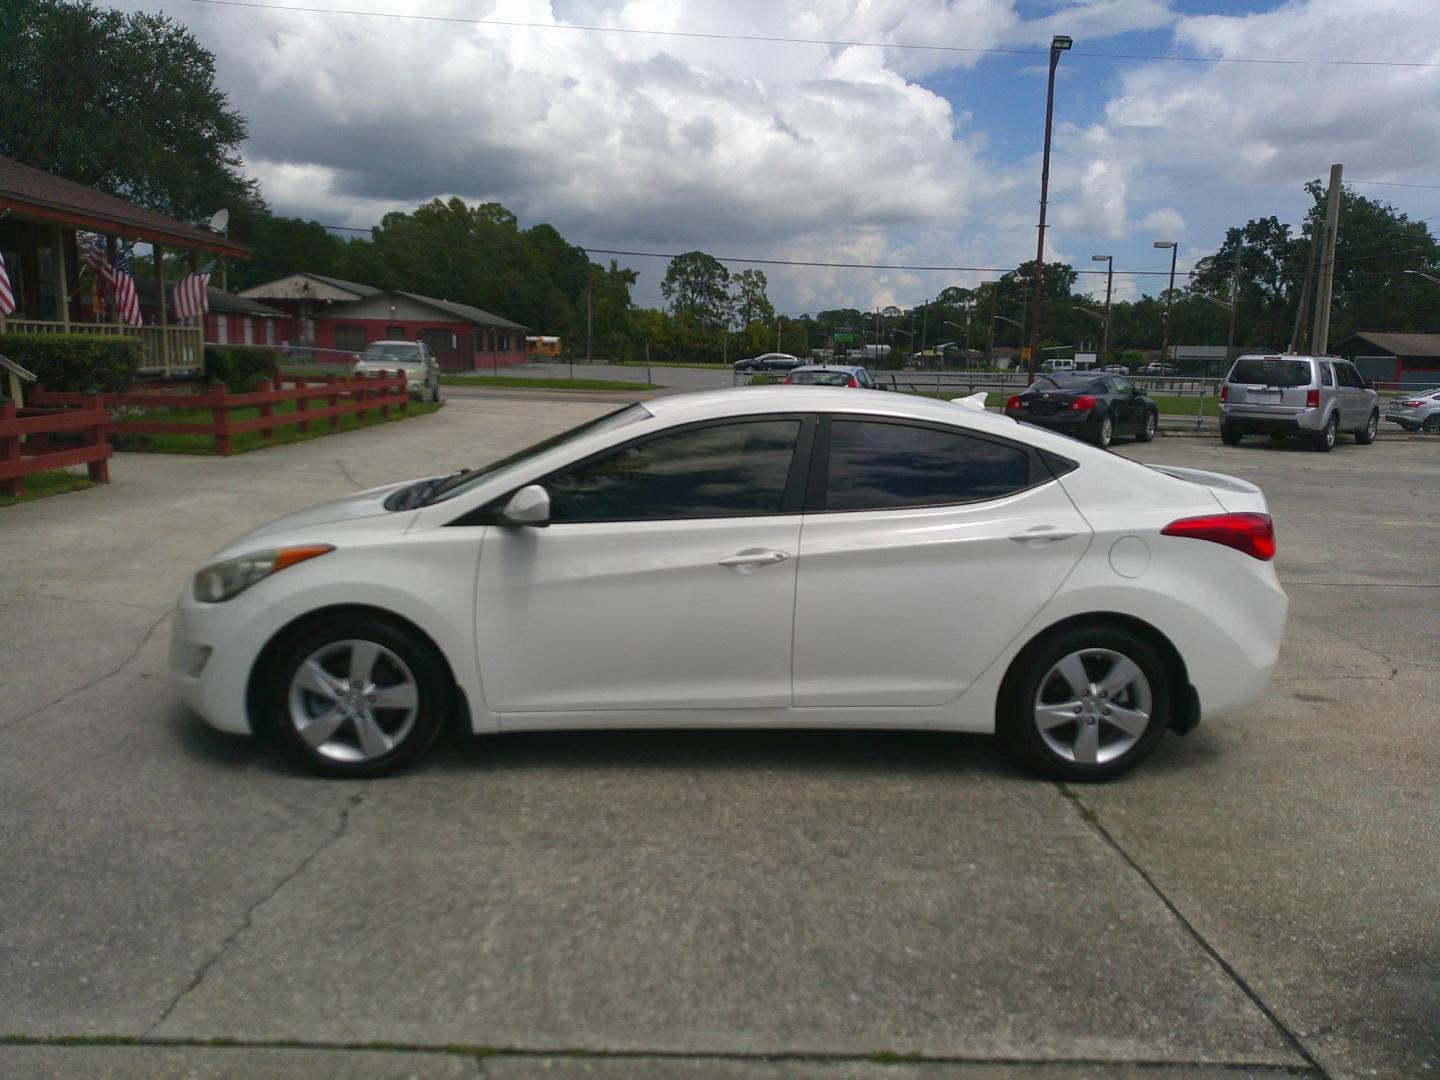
1031, 681
412, 728
1432, 423
1366, 435
1325, 441
1148, 428
1230, 436
1105, 432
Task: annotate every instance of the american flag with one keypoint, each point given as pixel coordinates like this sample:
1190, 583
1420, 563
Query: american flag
116, 275
190, 298
7, 296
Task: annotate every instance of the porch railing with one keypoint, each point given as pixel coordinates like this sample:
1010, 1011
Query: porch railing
166, 350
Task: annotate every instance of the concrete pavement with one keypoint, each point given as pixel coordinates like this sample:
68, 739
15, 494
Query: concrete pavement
1259, 899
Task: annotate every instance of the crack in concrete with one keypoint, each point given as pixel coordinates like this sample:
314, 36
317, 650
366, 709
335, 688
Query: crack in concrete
1092, 818
231, 938
149, 633
482, 1055
346, 473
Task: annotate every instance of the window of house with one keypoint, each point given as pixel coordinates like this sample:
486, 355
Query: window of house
350, 338
222, 329
504, 345
248, 325
439, 341
734, 469
394, 333
882, 465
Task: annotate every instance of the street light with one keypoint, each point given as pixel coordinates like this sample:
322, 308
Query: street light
1109, 261
1426, 276
1169, 293
1058, 44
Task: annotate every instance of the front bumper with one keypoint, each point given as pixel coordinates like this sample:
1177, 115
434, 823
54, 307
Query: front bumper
213, 649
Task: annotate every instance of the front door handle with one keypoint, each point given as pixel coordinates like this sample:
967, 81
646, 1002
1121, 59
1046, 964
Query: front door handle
752, 558
1043, 534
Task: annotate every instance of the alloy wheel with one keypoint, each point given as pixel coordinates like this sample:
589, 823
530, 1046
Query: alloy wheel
353, 700
1092, 706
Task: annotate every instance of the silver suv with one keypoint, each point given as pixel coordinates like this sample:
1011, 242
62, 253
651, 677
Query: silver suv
1312, 396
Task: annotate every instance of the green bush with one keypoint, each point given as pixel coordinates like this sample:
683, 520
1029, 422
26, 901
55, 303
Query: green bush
74, 363
239, 367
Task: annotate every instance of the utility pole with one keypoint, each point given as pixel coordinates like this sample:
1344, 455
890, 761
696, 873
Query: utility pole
990, 328
1109, 261
1058, 44
589, 311
1169, 296
1325, 282
1234, 303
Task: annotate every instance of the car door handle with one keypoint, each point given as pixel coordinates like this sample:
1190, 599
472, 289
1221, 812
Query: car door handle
752, 557
1043, 534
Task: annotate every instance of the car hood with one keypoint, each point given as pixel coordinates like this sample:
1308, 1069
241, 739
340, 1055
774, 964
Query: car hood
363, 504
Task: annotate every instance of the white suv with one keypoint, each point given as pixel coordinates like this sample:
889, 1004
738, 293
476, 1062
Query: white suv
1282, 395
414, 358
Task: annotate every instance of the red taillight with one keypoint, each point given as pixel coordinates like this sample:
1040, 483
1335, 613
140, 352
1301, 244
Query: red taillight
1014, 402
1410, 404
1312, 399
1224, 394
1254, 534
1083, 403
852, 382
785, 381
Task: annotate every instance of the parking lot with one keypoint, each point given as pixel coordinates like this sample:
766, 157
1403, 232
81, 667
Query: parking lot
1261, 898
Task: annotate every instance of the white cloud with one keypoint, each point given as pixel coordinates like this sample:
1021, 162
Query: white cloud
1166, 223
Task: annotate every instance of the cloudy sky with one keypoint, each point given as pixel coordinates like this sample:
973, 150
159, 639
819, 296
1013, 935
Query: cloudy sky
899, 132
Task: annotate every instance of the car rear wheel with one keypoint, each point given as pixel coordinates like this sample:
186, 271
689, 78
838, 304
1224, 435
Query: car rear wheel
356, 697
1432, 423
1325, 441
1105, 432
1147, 429
1366, 435
1087, 703
1229, 435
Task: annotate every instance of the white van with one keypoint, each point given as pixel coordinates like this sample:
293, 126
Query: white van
1051, 366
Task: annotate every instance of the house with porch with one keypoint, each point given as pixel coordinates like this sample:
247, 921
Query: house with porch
1401, 357
39, 216
463, 338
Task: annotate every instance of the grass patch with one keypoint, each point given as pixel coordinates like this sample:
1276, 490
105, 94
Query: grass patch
544, 384
1175, 405
43, 485
251, 440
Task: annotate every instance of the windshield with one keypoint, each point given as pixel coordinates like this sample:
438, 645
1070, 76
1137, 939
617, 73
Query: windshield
395, 349
821, 378
1271, 371
463, 481
1065, 382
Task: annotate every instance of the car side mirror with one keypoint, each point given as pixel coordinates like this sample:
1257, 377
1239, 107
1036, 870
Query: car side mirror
528, 506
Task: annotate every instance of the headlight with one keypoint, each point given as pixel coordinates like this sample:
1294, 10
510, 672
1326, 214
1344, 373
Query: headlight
218, 583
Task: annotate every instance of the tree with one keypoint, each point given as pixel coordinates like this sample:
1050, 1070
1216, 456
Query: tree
697, 286
284, 246
751, 303
126, 103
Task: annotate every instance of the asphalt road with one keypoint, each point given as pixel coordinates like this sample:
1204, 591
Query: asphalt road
1260, 899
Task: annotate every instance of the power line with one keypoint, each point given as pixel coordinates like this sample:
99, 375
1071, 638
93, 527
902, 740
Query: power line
829, 42
1392, 183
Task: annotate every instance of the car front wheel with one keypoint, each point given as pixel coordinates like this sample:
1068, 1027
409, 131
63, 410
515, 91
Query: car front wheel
1366, 435
1147, 430
1087, 703
356, 696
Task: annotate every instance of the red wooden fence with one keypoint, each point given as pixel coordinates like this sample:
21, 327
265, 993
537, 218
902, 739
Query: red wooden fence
20, 459
317, 399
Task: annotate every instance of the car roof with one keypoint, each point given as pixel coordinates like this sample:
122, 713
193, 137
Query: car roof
393, 341
829, 367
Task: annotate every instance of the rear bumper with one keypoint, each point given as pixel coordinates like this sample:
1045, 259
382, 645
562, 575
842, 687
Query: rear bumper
1067, 422
1259, 423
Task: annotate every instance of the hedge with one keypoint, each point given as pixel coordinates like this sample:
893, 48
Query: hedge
74, 363
239, 367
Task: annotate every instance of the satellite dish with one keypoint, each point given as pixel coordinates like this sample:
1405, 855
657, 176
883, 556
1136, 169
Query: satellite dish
219, 220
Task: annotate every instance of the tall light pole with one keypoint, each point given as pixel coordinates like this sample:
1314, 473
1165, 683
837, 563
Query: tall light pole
1169, 294
1427, 277
1109, 261
1058, 44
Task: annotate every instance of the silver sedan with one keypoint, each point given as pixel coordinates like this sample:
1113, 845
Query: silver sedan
1419, 411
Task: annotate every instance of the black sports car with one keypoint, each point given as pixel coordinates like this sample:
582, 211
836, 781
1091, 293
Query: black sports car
1089, 405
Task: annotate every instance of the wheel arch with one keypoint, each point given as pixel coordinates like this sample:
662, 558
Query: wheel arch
1185, 701
266, 656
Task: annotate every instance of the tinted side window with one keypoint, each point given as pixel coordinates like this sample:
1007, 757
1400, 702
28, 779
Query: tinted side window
725, 470
1349, 376
1122, 386
879, 465
1327, 378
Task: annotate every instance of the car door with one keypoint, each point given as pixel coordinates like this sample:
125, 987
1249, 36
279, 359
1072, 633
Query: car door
665, 579
1355, 403
1128, 402
926, 550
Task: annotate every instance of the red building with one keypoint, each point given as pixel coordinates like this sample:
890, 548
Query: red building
230, 320
462, 337
303, 298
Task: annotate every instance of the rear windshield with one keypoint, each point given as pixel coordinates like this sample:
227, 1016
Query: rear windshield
821, 378
1065, 382
1271, 371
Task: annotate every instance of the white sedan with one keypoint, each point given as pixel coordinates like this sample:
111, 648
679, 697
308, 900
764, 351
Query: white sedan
796, 557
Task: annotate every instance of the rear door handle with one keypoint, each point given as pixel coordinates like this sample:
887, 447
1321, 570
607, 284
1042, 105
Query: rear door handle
1044, 534
754, 557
